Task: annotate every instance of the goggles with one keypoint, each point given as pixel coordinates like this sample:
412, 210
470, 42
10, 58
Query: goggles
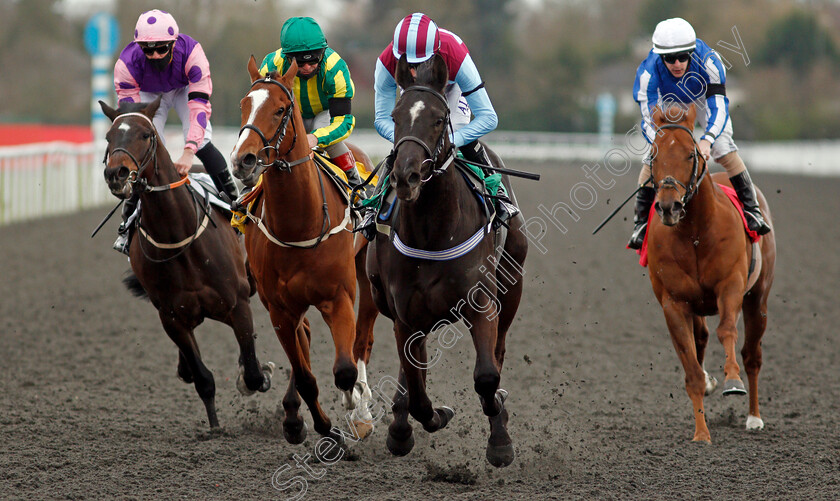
678, 56
155, 47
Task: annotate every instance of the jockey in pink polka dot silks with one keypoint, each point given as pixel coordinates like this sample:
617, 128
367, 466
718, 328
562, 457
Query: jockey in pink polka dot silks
162, 62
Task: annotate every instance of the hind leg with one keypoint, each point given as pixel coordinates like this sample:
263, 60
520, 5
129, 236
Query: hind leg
205, 386
359, 400
755, 322
701, 340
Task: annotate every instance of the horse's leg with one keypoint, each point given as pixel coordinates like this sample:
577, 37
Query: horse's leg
288, 330
729, 301
701, 340
339, 316
294, 427
361, 396
205, 386
413, 363
679, 319
252, 377
184, 372
755, 321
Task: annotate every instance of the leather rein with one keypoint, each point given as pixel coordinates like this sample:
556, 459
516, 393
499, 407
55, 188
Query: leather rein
696, 178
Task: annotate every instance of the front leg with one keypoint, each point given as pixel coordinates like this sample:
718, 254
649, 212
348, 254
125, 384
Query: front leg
729, 301
680, 322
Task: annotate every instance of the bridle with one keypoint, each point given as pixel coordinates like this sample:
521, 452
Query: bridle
432, 156
279, 134
134, 177
696, 178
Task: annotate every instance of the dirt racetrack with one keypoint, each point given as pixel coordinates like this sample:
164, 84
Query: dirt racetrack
90, 407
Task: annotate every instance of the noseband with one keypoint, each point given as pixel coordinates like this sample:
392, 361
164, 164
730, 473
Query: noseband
432, 155
694, 181
134, 176
279, 134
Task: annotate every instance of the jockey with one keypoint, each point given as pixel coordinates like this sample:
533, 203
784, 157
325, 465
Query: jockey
323, 89
163, 62
419, 38
681, 68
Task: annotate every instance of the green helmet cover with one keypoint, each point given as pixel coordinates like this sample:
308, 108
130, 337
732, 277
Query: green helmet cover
301, 34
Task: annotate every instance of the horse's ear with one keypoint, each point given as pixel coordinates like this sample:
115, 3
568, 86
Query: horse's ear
691, 115
403, 76
656, 116
108, 111
289, 76
152, 107
253, 70
439, 73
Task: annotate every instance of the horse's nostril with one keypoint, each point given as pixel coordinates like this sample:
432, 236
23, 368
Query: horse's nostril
123, 172
249, 161
413, 178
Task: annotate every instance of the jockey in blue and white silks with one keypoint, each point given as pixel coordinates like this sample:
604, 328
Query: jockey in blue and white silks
681, 69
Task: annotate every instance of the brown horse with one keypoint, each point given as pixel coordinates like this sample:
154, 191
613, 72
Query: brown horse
301, 252
186, 258
700, 264
423, 279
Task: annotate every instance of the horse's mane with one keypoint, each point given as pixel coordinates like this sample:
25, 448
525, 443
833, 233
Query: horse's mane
126, 107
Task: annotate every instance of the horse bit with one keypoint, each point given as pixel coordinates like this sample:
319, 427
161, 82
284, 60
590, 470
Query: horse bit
432, 156
693, 182
279, 134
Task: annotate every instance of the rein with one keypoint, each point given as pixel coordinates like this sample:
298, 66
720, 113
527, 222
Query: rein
432, 155
694, 181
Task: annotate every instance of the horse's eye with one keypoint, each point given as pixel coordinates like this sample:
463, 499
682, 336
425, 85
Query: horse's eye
147, 135
280, 111
439, 121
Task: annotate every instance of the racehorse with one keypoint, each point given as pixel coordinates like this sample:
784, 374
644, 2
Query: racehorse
302, 253
185, 258
427, 283
700, 264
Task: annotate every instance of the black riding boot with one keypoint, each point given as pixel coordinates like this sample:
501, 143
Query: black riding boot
215, 165
124, 231
475, 152
644, 199
746, 193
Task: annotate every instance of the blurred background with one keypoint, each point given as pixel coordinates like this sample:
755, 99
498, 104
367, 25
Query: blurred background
544, 61
559, 72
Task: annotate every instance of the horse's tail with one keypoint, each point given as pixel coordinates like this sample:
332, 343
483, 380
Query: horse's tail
132, 283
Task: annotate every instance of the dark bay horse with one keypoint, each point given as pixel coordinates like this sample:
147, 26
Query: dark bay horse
186, 258
301, 252
700, 264
480, 284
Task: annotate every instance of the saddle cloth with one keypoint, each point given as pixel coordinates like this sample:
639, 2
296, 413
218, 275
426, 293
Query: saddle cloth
733, 197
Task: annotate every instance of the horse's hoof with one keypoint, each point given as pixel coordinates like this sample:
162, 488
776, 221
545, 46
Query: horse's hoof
240, 384
446, 414
500, 455
734, 387
711, 383
702, 439
754, 423
268, 373
295, 434
400, 447
363, 429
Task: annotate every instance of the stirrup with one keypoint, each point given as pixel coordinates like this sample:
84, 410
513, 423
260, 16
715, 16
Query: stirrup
367, 227
756, 222
121, 243
638, 236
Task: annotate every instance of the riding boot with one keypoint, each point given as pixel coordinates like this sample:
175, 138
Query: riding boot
124, 233
644, 199
347, 163
215, 165
746, 194
367, 226
475, 152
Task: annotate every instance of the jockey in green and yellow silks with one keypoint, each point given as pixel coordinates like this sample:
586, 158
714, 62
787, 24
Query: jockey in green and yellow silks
323, 89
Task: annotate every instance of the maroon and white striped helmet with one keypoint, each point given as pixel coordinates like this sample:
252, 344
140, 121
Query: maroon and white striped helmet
417, 37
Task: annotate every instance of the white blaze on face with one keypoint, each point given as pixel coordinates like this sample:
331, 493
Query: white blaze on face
258, 98
415, 110
124, 127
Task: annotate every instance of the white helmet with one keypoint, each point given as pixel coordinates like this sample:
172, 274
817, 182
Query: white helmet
673, 35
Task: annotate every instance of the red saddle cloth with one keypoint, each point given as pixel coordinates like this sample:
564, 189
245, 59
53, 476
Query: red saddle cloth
733, 197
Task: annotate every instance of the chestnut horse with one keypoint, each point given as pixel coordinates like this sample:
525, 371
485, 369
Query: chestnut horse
185, 257
421, 282
302, 252
699, 257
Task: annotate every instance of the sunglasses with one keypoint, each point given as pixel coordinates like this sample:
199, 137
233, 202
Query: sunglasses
301, 61
673, 58
160, 49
